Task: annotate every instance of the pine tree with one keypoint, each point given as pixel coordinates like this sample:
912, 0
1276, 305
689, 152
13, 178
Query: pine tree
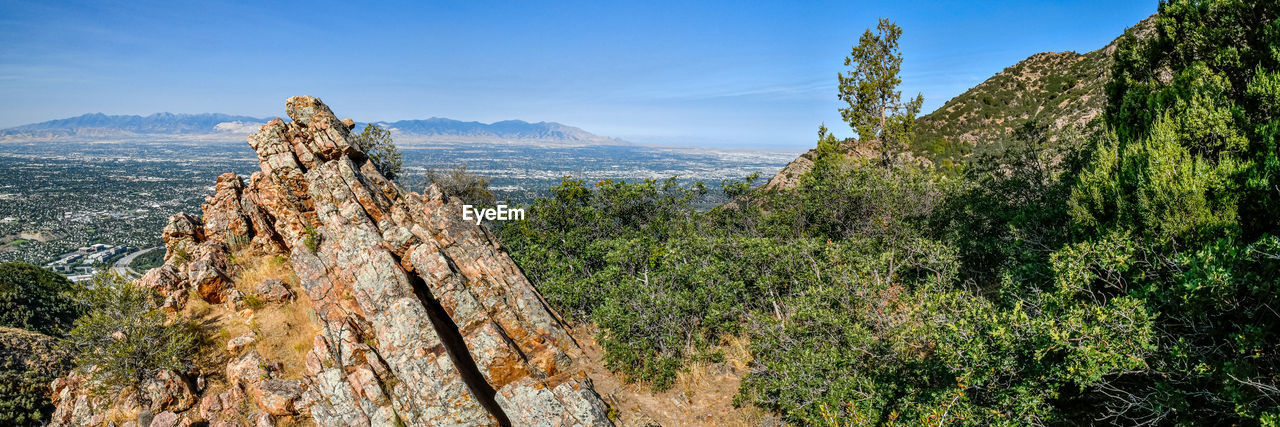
876, 110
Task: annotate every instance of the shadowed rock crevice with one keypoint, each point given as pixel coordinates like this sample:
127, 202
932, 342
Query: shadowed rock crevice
451, 337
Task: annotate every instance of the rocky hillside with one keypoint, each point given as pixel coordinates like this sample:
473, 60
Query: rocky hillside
28, 362
1064, 90
335, 297
1060, 89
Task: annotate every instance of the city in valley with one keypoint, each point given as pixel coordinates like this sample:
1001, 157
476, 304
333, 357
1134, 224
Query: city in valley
81, 206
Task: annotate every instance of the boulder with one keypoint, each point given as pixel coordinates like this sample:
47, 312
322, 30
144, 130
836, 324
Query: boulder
168, 391
234, 300
206, 272
224, 219
247, 371
164, 419
276, 396
274, 290
167, 281
236, 344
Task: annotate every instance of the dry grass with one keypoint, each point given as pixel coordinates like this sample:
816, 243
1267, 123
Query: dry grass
702, 394
254, 269
284, 330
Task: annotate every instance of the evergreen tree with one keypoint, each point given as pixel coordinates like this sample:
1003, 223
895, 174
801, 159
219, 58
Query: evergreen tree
876, 110
376, 143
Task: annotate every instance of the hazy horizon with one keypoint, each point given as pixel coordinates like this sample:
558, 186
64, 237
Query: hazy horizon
716, 75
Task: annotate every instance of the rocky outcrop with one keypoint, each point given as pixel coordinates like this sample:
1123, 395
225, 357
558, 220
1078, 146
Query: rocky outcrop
423, 319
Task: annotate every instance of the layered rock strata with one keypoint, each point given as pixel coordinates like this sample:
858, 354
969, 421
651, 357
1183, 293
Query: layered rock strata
423, 319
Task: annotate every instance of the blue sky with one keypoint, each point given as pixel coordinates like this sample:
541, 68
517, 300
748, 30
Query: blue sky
739, 74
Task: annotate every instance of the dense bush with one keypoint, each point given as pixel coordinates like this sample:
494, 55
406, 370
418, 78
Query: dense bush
29, 361
1125, 277
36, 299
125, 337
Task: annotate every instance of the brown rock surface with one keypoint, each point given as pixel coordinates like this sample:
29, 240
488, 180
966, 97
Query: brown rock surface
169, 392
274, 290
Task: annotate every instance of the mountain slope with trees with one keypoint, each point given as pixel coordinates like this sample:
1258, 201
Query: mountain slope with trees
1123, 274
1063, 90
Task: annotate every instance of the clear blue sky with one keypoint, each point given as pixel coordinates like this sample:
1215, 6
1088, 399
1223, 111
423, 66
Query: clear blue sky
713, 74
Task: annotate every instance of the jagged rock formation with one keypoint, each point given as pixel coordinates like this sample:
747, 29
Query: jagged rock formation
422, 318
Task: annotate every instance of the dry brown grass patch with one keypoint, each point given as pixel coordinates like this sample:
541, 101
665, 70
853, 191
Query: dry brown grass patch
284, 330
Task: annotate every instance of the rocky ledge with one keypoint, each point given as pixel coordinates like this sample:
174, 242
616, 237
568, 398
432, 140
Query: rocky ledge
419, 317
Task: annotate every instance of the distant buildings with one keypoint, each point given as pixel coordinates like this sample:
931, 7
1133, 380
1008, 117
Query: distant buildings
78, 266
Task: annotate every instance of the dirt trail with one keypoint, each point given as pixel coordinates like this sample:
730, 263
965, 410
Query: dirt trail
702, 396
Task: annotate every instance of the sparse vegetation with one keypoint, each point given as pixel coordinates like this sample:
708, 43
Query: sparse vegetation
311, 240
471, 188
180, 256
376, 143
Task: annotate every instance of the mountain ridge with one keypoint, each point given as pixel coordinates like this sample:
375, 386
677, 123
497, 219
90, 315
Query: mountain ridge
434, 129
1062, 90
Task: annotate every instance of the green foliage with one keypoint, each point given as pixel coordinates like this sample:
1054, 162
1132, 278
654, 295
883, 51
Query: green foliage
311, 239
125, 338
1187, 177
148, 260
1009, 211
875, 109
848, 198
1125, 276
29, 361
376, 144
36, 299
471, 188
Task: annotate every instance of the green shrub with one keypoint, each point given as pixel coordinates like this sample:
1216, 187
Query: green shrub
36, 299
125, 338
311, 239
377, 145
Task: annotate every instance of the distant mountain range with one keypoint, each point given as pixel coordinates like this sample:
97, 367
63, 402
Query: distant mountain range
226, 126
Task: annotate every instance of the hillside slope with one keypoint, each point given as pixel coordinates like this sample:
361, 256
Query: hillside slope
1063, 90
1059, 89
